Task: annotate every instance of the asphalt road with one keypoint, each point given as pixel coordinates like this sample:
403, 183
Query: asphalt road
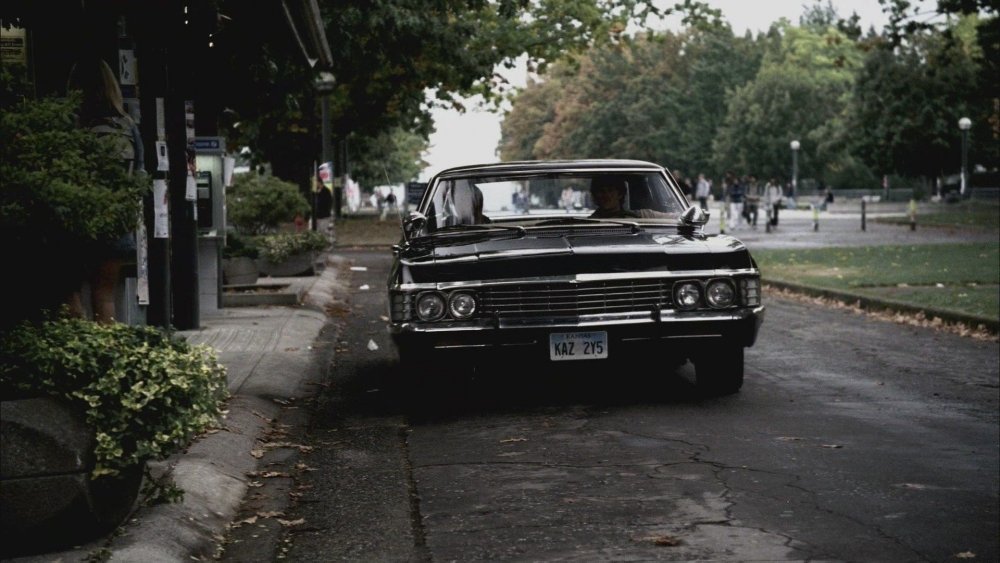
853, 440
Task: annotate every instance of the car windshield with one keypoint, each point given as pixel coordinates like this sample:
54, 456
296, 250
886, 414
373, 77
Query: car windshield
536, 200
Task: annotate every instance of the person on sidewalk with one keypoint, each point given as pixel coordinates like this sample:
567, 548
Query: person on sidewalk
702, 190
102, 111
772, 199
752, 200
734, 197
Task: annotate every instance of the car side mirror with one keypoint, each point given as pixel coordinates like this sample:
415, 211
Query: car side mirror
694, 217
414, 224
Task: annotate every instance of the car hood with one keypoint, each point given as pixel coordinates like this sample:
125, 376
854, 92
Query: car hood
531, 255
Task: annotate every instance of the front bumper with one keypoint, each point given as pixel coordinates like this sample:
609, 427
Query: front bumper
668, 330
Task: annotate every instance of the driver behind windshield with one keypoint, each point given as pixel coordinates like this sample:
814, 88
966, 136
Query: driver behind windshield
609, 193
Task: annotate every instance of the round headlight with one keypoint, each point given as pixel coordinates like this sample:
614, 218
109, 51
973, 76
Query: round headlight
461, 305
687, 295
430, 307
720, 294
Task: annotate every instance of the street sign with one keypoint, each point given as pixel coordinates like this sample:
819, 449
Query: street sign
208, 145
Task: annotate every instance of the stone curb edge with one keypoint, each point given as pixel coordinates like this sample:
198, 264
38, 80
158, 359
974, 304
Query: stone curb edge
870, 303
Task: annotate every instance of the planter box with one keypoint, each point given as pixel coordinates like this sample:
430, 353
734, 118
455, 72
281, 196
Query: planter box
300, 264
240, 271
49, 500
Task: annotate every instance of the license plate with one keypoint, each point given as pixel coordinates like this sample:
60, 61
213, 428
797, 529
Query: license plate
578, 345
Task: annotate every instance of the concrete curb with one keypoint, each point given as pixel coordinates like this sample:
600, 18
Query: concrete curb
870, 303
213, 471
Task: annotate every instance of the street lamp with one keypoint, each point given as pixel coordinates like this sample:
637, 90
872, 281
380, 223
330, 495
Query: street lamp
964, 124
795, 166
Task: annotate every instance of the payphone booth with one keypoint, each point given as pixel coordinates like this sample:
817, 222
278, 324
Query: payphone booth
210, 211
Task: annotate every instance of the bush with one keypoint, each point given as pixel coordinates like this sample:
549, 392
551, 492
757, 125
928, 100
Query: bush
238, 246
145, 394
278, 247
259, 204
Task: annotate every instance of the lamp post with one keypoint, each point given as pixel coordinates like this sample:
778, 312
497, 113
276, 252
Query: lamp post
795, 166
964, 124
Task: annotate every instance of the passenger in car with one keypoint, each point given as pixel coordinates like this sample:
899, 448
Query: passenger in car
477, 207
609, 195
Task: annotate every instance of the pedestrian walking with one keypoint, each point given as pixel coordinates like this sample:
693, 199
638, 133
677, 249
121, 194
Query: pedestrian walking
389, 204
734, 197
702, 190
751, 200
772, 199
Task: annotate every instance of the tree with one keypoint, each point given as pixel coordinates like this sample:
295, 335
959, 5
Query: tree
392, 157
656, 97
800, 92
908, 101
387, 54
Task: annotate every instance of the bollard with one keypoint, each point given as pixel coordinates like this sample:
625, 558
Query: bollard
815, 217
913, 214
862, 214
722, 219
767, 218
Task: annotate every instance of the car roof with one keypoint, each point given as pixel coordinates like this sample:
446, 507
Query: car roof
548, 166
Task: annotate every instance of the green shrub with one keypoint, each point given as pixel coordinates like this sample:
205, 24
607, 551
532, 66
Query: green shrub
278, 247
259, 204
238, 246
145, 394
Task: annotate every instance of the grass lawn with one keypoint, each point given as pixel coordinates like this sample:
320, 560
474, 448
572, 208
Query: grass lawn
983, 215
963, 278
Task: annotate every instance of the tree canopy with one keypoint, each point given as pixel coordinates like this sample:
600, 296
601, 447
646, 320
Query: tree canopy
387, 56
705, 100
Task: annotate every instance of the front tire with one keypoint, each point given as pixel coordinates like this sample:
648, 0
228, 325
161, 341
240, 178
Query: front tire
720, 373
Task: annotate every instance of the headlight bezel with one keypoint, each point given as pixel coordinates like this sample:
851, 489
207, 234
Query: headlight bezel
418, 306
685, 286
457, 295
720, 282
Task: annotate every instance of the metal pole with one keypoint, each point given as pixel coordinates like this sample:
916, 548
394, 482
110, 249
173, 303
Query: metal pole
965, 157
795, 173
863, 215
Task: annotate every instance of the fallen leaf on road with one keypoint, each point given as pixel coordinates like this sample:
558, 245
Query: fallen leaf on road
663, 540
790, 438
304, 467
290, 523
270, 514
831, 446
300, 447
965, 555
509, 440
255, 484
384, 318
372, 345
257, 453
271, 474
364, 287
250, 520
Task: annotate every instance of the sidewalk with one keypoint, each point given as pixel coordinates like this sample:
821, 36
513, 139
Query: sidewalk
269, 356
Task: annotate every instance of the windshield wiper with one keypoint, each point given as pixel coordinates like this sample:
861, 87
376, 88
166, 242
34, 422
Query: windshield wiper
587, 220
462, 228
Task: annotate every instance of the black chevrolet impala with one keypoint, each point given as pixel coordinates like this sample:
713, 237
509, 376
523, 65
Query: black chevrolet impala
571, 261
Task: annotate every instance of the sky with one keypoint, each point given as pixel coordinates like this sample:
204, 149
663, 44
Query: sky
472, 137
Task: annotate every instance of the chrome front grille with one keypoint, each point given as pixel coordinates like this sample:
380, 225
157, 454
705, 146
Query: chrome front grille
575, 299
